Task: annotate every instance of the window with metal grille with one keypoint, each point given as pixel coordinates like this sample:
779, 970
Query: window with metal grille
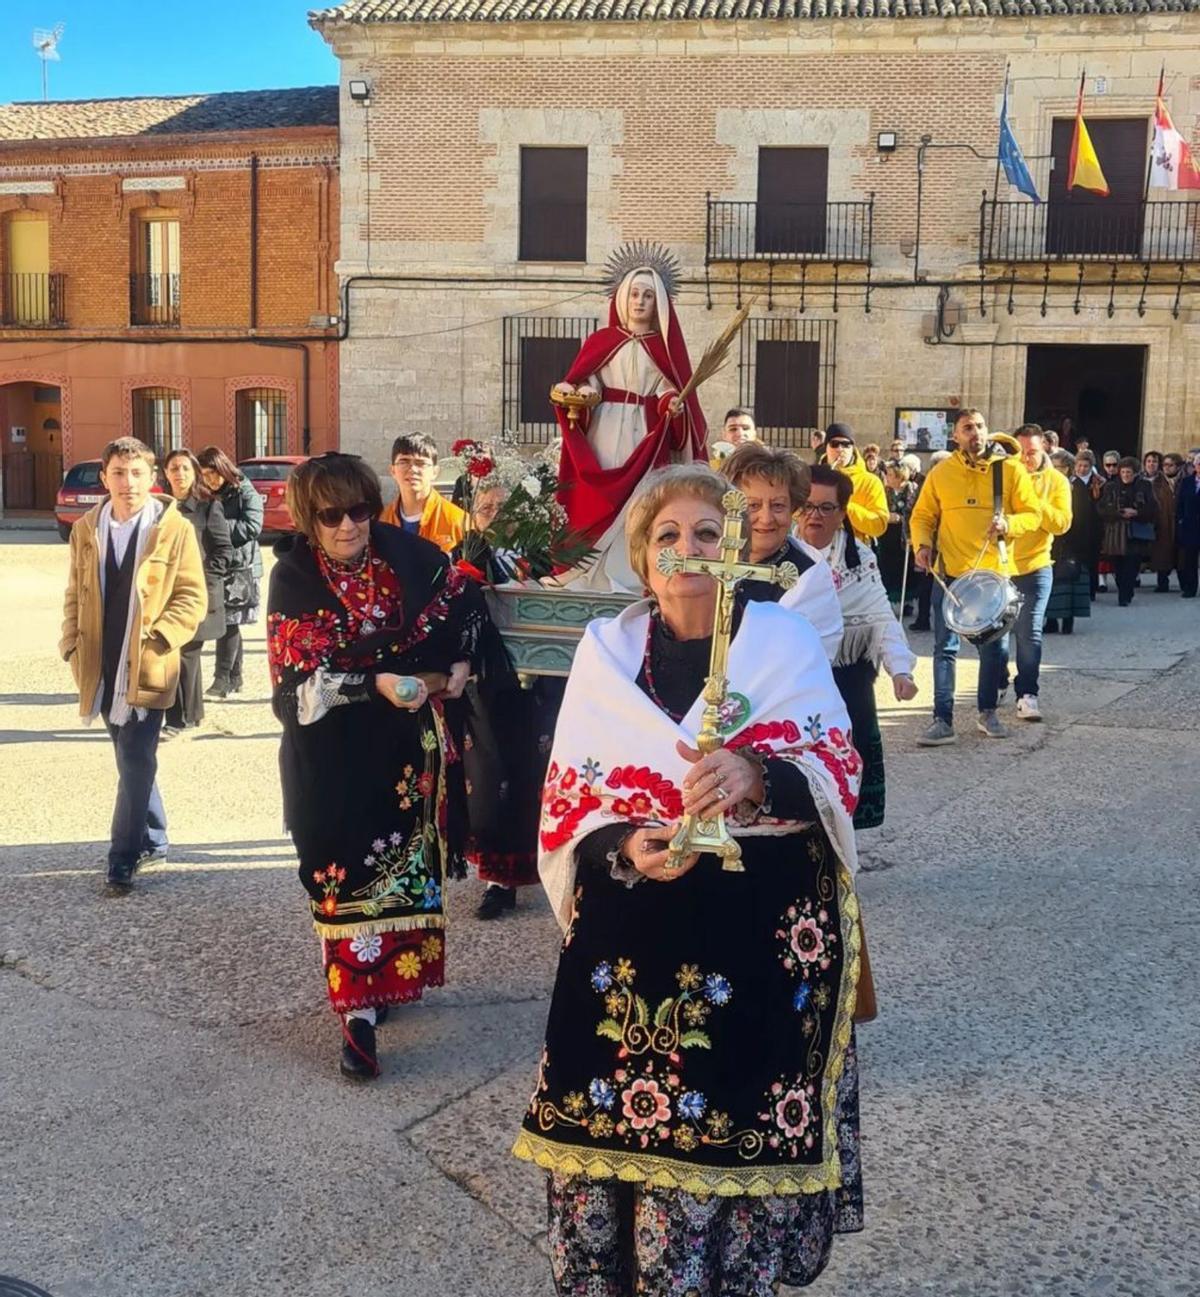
261, 422
154, 281
553, 205
787, 369
538, 351
158, 419
793, 189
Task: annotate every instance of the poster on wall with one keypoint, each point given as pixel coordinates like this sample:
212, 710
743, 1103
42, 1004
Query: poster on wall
924, 429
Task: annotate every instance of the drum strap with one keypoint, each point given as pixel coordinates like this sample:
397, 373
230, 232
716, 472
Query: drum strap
997, 486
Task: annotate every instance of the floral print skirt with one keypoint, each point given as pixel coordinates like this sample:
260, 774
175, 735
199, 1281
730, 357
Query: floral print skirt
369, 970
610, 1239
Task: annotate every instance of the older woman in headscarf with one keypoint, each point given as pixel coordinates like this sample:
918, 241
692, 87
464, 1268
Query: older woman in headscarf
368, 629
696, 1105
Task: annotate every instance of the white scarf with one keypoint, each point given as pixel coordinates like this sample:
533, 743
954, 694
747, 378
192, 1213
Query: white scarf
150, 513
614, 755
870, 627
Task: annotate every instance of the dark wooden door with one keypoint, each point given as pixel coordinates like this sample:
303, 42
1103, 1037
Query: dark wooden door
793, 189
1080, 223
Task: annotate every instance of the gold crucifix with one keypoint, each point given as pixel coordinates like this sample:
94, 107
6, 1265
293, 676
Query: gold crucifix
694, 833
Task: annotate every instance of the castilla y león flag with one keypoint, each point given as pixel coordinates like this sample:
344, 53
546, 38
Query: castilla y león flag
1084, 171
1171, 163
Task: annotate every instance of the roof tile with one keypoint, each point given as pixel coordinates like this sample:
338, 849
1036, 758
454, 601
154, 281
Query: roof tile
413, 11
240, 110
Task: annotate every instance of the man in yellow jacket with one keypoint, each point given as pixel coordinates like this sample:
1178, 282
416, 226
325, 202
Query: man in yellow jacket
135, 596
868, 508
956, 507
1034, 566
419, 507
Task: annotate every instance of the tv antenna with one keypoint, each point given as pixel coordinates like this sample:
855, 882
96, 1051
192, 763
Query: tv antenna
46, 44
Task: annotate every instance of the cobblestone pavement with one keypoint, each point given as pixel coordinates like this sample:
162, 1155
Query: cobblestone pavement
172, 1123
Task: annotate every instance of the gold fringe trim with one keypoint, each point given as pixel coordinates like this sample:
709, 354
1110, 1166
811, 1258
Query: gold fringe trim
405, 923
666, 1173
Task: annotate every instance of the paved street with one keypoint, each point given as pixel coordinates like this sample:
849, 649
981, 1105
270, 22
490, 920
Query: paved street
172, 1122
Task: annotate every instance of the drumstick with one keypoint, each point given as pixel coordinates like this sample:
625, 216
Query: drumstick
949, 593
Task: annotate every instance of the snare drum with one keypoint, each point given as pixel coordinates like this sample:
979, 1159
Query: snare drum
981, 606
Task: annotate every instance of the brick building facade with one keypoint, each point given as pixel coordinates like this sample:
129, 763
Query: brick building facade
167, 269
776, 155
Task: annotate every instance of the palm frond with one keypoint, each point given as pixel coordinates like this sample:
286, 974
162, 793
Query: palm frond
716, 354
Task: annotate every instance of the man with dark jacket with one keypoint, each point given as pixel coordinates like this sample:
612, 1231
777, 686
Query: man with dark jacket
135, 596
1187, 530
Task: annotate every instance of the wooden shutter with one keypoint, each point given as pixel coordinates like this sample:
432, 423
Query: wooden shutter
793, 188
1081, 223
553, 205
787, 386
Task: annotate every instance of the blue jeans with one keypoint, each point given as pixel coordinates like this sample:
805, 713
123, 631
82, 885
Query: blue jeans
1035, 586
139, 823
993, 665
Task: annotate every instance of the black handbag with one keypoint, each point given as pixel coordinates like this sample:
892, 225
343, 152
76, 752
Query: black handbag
1141, 531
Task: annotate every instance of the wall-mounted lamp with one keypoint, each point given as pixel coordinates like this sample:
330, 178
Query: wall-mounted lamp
908, 246
360, 91
886, 141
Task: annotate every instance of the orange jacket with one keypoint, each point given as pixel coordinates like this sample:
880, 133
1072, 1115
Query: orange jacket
442, 523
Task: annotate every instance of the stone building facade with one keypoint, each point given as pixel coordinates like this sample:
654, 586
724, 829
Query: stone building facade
166, 269
914, 278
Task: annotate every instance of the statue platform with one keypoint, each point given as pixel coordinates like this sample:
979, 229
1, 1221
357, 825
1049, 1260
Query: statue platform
541, 625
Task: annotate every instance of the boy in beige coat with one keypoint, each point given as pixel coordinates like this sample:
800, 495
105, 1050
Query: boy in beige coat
135, 596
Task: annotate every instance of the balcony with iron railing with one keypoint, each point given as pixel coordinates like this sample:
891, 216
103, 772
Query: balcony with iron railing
772, 232
32, 301
1145, 232
154, 300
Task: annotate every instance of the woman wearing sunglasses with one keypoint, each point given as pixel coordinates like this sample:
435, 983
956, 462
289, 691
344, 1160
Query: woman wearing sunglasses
368, 630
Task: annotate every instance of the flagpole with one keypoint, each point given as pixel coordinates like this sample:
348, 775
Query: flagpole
1003, 114
1162, 72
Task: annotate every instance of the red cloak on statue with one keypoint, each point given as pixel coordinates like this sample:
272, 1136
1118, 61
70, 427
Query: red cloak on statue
593, 496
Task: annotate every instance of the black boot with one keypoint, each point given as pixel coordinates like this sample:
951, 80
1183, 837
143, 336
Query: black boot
119, 881
1050, 626
920, 624
1068, 626
220, 687
235, 684
358, 1050
495, 901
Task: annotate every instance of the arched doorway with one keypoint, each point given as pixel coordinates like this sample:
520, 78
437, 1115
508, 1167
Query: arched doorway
31, 419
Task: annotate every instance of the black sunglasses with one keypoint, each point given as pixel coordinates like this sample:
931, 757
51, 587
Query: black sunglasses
332, 517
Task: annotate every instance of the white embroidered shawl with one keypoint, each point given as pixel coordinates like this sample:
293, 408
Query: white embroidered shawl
614, 757
870, 629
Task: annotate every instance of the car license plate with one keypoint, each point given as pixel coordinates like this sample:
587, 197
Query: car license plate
88, 499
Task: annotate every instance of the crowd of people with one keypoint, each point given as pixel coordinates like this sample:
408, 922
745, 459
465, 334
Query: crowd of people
700, 1057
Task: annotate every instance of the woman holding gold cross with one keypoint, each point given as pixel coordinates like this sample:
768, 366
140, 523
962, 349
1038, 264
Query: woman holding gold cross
697, 1102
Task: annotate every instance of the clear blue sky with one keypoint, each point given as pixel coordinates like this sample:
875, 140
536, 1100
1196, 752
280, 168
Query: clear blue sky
117, 48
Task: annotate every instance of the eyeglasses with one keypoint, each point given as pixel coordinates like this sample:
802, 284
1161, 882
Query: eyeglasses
825, 508
412, 461
840, 445
332, 517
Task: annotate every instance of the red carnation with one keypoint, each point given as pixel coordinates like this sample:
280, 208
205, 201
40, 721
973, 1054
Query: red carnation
480, 467
465, 446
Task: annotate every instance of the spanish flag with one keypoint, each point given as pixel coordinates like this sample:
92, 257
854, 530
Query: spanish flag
1084, 171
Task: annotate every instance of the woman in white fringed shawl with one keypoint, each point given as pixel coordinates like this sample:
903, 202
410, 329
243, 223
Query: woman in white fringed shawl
698, 1091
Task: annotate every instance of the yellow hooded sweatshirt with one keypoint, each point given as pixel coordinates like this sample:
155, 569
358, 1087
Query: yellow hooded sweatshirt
954, 511
868, 507
1031, 552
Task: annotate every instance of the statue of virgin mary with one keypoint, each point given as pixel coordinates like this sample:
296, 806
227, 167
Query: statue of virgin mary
633, 370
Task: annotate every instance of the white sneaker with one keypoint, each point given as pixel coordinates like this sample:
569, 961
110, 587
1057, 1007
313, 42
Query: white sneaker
1028, 709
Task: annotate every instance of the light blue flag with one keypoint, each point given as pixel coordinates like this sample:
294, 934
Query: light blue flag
1016, 170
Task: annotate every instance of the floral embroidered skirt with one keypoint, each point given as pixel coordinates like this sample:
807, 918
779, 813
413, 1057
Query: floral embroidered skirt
608, 1239
367, 971
698, 1029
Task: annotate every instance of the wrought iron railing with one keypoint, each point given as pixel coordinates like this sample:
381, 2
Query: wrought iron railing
33, 301
154, 299
537, 352
766, 231
1144, 232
